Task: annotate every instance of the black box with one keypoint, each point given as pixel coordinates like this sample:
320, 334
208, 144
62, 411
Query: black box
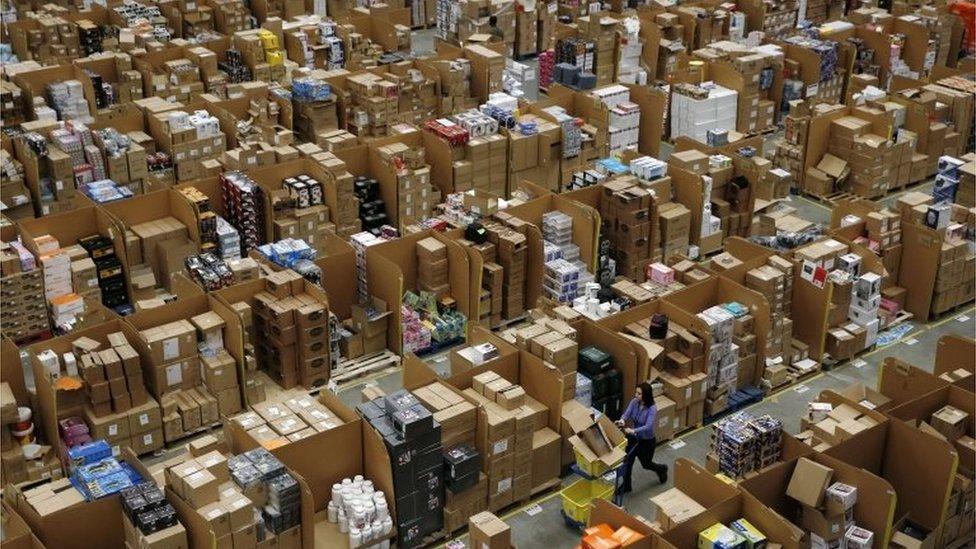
413, 422
461, 461
593, 360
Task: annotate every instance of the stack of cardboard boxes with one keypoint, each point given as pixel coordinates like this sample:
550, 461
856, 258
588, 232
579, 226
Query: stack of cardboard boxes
675, 221
695, 110
599, 30
416, 196
346, 215
751, 72
296, 416
13, 188
625, 210
775, 281
722, 356
432, 267
189, 139
416, 93
292, 331
468, 20
373, 105
955, 275
872, 158
483, 165
554, 341
299, 211
511, 253
160, 245
467, 485
512, 461
53, 41
22, 282
314, 113
679, 357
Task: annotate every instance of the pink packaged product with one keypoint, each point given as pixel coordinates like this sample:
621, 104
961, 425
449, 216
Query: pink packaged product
74, 431
660, 273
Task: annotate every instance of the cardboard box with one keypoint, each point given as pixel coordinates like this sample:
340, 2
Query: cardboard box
489, 532
674, 507
809, 482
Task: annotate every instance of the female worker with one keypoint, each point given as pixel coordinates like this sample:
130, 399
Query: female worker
638, 422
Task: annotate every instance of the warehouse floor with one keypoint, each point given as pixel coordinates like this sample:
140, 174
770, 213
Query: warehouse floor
538, 523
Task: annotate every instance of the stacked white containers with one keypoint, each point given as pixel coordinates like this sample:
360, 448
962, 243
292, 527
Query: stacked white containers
865, 304
624, 117
694, 117
361, 241
565, 275
629, 47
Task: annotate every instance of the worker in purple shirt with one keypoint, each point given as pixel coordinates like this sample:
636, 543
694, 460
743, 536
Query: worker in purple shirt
638, 423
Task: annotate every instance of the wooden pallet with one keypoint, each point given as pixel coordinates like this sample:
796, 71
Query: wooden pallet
349, 370
952, 311
901, 316
832, 199
505, 324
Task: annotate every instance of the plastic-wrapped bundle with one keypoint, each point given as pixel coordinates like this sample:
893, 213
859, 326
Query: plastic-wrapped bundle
310, 89
734, 444
790, 240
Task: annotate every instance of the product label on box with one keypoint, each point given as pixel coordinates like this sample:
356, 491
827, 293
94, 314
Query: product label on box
147, 439
499, 447
171, 348
143, 419
174, 374
116, 451
113, 430
505, 485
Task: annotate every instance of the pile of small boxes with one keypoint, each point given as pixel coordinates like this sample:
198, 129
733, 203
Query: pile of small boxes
625, 212
432, 267
697, 109
150, 520
743, 443
22, 282
67, 98
243, 204
249, 498
826, 508
416, 195
119, 409
299, 211
189, 139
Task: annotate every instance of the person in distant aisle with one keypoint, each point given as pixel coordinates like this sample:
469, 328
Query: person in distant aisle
497, 35
638, 423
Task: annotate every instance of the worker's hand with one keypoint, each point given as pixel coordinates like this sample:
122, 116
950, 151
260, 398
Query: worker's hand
628, 431
619, 423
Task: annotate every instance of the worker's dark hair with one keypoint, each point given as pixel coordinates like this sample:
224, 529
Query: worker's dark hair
647, 394
492, 20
